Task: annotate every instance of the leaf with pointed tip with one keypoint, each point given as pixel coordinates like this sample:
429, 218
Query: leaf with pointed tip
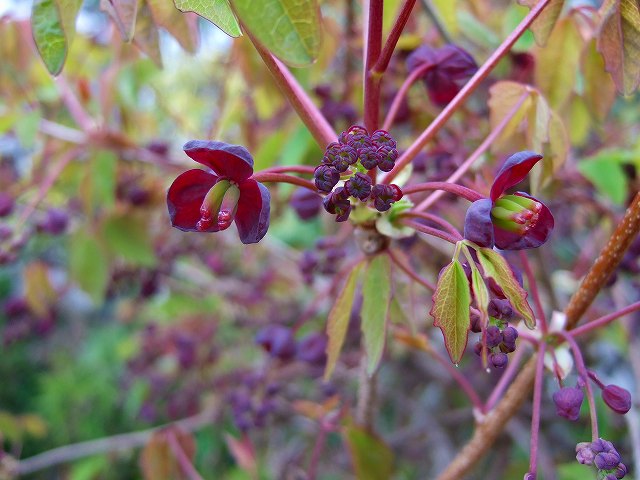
503, 98
372, 458
543, 25
619, 43
123, 13
217, 12
496, 267
290, 29
338, 320
480, 292
167, 16
147, 37
376, 294
450, 310
599, 89
53, 28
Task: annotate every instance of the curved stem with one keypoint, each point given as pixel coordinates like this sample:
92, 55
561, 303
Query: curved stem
283, 178
402, 93
602, 321
411, 273
533, 286
464, 192
465, 92
430, 231
535, 416
432, 218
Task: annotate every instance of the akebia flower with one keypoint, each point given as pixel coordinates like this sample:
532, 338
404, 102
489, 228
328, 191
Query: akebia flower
209, 201
510, 222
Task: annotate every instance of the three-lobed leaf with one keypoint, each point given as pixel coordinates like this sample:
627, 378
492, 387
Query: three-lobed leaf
217, 12
376, 295
450, 310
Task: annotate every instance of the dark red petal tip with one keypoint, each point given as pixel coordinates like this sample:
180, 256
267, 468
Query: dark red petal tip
477, 224
252, 216
533, 238
513, 171
231, 161
185, 197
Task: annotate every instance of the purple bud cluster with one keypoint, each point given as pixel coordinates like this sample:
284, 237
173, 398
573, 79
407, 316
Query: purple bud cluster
279, 342
500, 337
325, 259
604, 456
355, 152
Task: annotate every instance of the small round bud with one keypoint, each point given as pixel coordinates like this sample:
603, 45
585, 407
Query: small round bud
621, 470
337, 202
499, 360
368, 157
568, 401
607, 460
584, 454
500, 308
494, 336
617, 399
325, 177
476, 323
359, 186
477, 348
54, 223
382, 138
387, 157
306, 203
384, 195
277, 341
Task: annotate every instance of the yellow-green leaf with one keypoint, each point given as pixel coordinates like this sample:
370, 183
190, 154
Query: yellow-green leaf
372, 458
39, 292
480, 292
146, 37
496, 267
88, 265
543, 25
217, 12
447, 11
339, 320
503, 99
599, 89
450, 309
123, 13
167, 16
53, 28
290, 29
619, 43
128, 237
376, 294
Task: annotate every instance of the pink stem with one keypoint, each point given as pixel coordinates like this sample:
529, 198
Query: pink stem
310, 115
602, 321
79, 114
533, 286
535, 417
372, 53
383, 61
435, 219
460, 379
321, 440
505, 379
484, 146
402, 93
430, 231
459, 190
303, 169
411, 273
283, 178
183, 460
466, 91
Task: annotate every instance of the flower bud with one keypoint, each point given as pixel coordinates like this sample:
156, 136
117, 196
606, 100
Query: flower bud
584, 454
568, 401
359, 186
494, 336
617, 399
325, 177
607, 460
499, 360
384, 195
306, 203
368, 157
387, 157
277, 341
382, 138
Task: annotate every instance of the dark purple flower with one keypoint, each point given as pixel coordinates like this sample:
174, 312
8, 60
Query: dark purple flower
54, 222
607, 460
368, 157
384, 195
337, 203
202, 201
584, 454
382, 138
312, 349
359, 186
621, 470
325, 177
500, 308
509, 336
278, 341
447, 69
387, 157
306, 203
568, 401
499, 360
6, 204
617, 399
494, 336
510, 222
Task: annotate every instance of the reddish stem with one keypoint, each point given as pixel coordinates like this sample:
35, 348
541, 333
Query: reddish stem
411, 273
459, 190
387, 51
435, 219
602, 321
303, 169
505, 378
184, 462
283, 178
535, 416
402, 93
373, 47
466, 91
430, 231
533, 286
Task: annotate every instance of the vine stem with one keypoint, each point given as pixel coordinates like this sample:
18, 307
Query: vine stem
283, 178
483, 147
459, 190
387, 51
488, 431
535, 416
402, 93
533, 286
310, 115
465, 92
303, 169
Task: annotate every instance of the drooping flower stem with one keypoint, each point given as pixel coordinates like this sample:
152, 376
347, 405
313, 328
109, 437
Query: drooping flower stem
395, 257
458, 190
373, 46
402, 93
430, 231
535, 416
435, 219
268, 177
466, 91
605, 320
533, 287
505, 378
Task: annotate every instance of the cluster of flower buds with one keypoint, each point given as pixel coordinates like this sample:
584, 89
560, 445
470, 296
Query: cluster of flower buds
500, 337
253, 401
356, 153
604, 456
279, 342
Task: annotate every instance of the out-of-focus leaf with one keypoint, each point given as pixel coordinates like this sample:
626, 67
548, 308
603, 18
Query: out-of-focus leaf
480, 292
557, 64
88, 265
619, 43
503, 98
167, 16
376, 294
33, 425
123, 13
450, 309
98, 187
447, 11
606, 173
269, 150
217, 12
146, 36
496, 267
158, 459
372, 458
39, 292
580, 122
128, 237
290, 29
338, 320
53, 28
89, 468
543, 25
243, 453
477, 31
26, 128
599, 89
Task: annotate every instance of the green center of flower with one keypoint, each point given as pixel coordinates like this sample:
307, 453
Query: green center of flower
219, 206
515, 213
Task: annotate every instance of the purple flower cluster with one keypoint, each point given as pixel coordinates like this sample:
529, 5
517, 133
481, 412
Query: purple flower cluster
604, 456
355, 153
324, 259
279, 342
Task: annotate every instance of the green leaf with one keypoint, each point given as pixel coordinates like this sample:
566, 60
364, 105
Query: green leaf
543, 25
606, 173
496, 267
123, 13
376, 294
217, 12
88, 265
619, 43
372, 458
290, 29
338, 320
99, 185
480, 292
599, 89
26, 128
128, 237
53, 27
450, 309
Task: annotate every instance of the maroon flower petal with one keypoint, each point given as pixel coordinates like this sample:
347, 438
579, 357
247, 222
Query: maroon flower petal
252, 216
514, 169
185, 197
477, 224
230, 161
535, 237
